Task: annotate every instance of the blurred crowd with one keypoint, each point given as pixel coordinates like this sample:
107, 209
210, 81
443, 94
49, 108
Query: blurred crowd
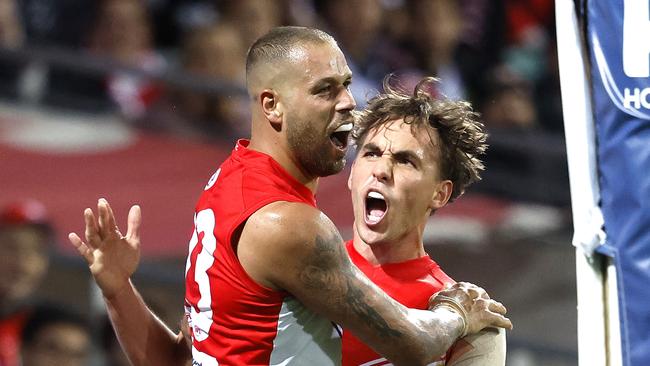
38, 330
499, 54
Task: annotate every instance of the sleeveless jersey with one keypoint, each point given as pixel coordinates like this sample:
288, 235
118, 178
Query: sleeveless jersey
411, 283
234, 320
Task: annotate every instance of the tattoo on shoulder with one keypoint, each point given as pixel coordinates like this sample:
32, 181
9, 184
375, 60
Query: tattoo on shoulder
328, 267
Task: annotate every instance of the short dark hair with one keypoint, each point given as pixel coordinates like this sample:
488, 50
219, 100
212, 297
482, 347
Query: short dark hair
280, 41
462, 135
45, 315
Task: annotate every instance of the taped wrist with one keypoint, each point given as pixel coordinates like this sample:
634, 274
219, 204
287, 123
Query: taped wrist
451, 304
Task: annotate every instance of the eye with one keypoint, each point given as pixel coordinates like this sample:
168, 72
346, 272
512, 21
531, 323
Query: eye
405, 161
324, 90
370, 154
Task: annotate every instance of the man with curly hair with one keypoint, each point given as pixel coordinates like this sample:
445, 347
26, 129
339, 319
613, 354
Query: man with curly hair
415, 153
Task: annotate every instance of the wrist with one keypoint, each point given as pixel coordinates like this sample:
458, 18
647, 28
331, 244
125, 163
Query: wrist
454, 317
451, 305
117, 292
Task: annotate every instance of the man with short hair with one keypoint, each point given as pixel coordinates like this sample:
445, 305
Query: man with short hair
266, 270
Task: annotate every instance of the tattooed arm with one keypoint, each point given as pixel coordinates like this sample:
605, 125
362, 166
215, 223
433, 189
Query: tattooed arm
295, 247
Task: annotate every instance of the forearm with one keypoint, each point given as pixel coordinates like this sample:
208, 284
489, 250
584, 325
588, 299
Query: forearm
417, 337
438, 330
404, 336
145, 339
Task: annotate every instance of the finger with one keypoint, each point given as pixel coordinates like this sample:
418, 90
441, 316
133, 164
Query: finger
111, 217
497, 307
501, 322
106, 224
133, 223
93, 238
82, 248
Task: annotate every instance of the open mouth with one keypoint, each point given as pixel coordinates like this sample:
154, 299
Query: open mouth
340, 136
376, 208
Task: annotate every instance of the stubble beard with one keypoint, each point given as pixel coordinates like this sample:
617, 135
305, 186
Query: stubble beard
313, 151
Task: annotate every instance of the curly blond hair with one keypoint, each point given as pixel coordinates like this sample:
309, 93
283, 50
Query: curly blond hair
461, 133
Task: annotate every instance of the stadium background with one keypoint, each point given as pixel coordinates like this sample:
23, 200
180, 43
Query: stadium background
138, 101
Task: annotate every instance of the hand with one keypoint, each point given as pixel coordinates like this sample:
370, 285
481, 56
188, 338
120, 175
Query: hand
111, 257
475, 305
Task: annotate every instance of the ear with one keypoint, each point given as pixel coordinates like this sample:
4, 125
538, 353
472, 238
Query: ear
271, 107
442, 194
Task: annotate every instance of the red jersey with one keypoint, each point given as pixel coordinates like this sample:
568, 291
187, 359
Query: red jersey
411, 283
234, 320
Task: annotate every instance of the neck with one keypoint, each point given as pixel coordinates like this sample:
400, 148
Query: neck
280, 153
395, 251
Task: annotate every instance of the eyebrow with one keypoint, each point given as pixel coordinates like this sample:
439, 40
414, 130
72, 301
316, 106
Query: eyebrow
407, 154
401, 154
370, 146
329, 81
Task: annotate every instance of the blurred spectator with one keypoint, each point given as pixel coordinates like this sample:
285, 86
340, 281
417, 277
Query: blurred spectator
55, 337
253, 18
123, 32
12, 35
215, 52
437, 26
11, 29
509, 103
357, 27
25, 236
61, 23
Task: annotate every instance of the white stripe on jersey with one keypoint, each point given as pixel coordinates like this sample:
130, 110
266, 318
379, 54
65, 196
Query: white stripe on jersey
304, 338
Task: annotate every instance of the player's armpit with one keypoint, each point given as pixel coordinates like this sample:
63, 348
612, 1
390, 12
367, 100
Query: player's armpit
297, 248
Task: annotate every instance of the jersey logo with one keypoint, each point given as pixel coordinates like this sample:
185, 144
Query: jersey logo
212, 180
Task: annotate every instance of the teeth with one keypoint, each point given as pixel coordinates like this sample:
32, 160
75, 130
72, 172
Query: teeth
376, 195
344, 127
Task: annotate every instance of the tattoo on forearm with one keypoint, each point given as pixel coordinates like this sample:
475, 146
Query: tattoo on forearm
355, 297
317, 274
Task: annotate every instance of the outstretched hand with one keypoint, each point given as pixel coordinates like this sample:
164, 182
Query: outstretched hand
111, 256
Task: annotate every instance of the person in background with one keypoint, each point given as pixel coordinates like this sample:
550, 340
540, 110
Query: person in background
216, 53
25, 237
123, 32
55, 337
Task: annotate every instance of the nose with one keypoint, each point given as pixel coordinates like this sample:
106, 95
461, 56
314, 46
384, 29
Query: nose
346, 102
382, 170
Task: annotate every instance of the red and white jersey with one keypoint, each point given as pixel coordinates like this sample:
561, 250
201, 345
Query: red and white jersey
234, 320
411, 283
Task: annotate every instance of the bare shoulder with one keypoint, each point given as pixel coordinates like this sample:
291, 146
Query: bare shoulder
277, 239
287, 223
